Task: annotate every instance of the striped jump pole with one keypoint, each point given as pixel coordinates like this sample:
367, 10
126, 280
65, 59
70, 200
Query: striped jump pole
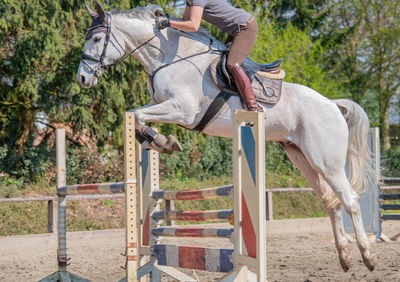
208, 259
200, 194
192, 215
94, 188
193, 232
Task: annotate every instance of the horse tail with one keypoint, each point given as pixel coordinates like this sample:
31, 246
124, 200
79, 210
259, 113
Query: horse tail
359, 156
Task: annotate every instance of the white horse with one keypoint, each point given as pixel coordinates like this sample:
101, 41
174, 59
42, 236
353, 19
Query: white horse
316, 133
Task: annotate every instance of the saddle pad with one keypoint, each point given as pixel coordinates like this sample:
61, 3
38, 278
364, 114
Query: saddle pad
266, 90
267, 87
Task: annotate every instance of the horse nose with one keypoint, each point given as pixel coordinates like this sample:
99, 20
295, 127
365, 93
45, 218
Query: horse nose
83, 79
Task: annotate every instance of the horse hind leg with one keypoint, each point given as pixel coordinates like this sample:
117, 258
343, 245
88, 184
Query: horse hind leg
351, 202
328, 198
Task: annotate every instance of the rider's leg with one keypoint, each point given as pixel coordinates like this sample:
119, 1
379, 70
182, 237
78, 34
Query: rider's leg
242, 43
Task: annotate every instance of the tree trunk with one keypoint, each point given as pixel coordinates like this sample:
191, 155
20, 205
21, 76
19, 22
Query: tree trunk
385, 136
384, 102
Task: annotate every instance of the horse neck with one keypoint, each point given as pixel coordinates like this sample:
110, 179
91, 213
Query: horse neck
167, 46
123, 28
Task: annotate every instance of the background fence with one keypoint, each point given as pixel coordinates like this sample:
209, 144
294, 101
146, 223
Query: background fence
170, 205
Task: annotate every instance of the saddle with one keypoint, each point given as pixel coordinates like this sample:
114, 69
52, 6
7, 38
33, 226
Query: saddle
266, 79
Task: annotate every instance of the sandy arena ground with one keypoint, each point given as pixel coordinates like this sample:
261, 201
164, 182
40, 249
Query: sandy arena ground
298, 250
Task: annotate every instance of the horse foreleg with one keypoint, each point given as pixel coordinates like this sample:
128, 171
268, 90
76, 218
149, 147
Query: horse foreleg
328, 198
165, 112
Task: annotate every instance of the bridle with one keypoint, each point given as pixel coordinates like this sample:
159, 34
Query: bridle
101, 65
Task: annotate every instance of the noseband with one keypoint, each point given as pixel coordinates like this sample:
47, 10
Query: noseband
106, 26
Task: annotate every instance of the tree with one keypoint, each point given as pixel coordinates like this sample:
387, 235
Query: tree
41, 43
363, 39
306, 15
383, 47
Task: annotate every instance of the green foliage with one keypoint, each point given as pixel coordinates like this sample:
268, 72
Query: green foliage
391, 162
88, 165
302, 58
276, 159
202, 156
297, 205
304, 14
362, 52
32, 165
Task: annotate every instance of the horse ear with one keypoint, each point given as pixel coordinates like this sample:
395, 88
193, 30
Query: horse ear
100, 11
92, 13
159, 12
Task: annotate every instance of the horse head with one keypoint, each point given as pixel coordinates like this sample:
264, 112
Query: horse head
112, 37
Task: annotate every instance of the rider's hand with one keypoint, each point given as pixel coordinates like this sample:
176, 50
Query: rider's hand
163, 24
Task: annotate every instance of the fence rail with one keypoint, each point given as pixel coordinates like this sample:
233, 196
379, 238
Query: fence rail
52, 201
390, 180
52, 205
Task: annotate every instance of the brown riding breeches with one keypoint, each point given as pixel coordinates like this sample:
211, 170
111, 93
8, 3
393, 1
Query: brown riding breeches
242, 43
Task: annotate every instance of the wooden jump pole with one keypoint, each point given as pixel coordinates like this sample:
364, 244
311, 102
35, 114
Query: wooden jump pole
130, 197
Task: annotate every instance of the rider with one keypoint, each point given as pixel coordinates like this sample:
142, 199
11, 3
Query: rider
242, 28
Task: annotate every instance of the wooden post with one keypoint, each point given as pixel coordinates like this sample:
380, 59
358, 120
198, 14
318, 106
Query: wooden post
130, 196
51, 216
170, 206
270, 215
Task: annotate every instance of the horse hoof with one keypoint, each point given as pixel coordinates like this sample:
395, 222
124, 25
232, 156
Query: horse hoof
371, 261
170, 144
174, 144
345, 265
345, 258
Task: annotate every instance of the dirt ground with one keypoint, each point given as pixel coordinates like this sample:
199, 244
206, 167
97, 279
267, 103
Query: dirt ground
298, 250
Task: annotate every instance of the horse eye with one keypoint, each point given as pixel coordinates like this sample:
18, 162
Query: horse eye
97, 39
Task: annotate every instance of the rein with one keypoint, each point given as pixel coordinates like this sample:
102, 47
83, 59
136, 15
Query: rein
102, 65
210, 49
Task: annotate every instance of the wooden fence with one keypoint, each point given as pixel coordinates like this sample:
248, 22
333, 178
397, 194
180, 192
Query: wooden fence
170, 205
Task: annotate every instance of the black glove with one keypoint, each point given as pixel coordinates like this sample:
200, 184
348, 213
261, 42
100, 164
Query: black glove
163, 24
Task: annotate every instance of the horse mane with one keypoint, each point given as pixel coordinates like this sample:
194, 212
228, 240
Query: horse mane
132, 13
